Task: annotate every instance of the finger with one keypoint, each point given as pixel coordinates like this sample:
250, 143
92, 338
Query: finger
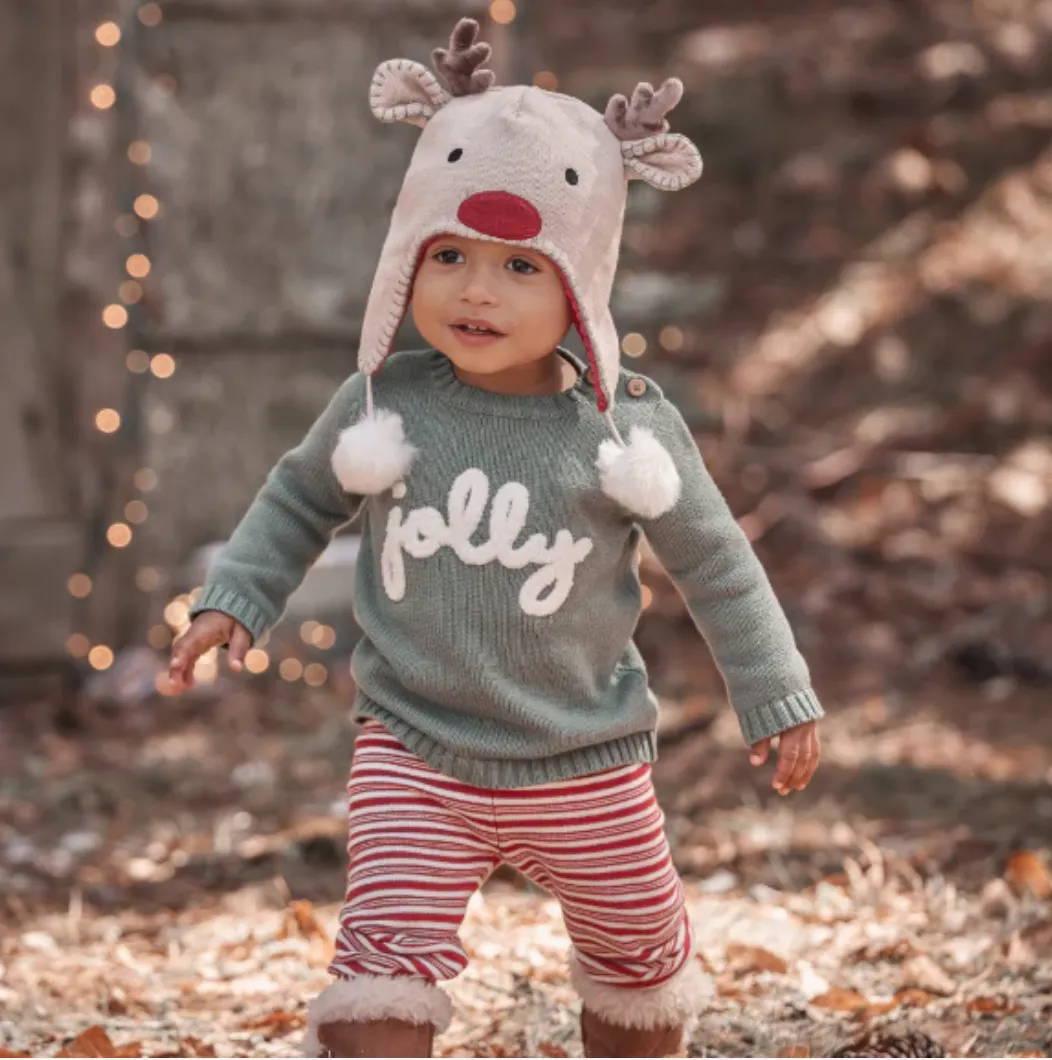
187, 651
759, 752
788, 754
240, 642
812, 765
802, 766
177, 666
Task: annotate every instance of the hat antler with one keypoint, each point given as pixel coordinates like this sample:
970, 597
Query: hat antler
645, 115
461, 65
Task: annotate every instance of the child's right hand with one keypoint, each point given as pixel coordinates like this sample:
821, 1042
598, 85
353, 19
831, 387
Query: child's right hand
210, 629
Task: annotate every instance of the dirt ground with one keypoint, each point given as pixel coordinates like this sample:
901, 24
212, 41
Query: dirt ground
171, 874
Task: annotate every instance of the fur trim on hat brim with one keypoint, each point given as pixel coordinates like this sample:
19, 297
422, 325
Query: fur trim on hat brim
376, 997
676, 1002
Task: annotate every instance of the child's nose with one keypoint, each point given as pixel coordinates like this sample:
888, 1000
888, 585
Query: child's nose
501, 215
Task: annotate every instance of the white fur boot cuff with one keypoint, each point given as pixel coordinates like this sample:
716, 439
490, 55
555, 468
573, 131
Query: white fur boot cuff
376, 997
674, 1003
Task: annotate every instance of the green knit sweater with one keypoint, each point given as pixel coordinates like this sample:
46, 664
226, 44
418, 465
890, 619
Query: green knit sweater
497, 588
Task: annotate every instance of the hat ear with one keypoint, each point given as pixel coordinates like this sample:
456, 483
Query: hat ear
403, 90
668, 161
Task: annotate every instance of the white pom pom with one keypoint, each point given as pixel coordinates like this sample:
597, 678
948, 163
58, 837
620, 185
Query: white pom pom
373, 454
640, 476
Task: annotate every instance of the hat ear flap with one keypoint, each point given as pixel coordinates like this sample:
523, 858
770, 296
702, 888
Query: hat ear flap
668, 161
403, 90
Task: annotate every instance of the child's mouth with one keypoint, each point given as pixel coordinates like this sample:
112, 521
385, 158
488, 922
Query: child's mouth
476, 333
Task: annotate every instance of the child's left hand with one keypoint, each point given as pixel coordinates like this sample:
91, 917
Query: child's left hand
798, 754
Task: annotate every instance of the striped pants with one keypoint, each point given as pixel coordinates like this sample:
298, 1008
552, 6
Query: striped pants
421, 844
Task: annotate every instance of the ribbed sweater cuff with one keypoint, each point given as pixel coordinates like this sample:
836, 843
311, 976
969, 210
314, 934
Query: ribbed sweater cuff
773, 718
218, 598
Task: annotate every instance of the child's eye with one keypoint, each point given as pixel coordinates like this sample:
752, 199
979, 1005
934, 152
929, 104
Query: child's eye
448, 256
523, 266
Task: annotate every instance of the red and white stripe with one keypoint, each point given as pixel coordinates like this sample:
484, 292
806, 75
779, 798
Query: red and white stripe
421, 843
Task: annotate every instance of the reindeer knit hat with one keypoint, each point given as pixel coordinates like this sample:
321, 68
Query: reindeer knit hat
536, 169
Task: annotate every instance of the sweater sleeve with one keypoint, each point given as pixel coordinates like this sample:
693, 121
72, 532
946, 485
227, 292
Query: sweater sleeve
288, 525
728, 594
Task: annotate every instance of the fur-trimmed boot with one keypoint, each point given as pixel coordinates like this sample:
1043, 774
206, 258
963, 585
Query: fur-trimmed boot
373, 1015
640, 1021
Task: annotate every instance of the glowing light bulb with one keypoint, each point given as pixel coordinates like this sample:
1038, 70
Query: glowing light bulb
79, 585
119, 535
291, 669
108, 421
130, 291
101, 657
145, 479
633, 344
163, 365
115, 316
139, 152
159, 637
146, 206
103, 97
137, 265
138, 361
108, 34
315, 675
78, 645
256, 661
671, 338
136, 512
147, 579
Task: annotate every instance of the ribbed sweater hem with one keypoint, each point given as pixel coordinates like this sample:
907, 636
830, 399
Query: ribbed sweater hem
770, 719
513, 773
219, 598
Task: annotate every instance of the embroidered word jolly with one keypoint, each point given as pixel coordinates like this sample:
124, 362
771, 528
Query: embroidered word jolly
422, 532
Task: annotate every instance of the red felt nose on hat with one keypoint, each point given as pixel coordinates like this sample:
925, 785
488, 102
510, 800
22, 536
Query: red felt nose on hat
501, 215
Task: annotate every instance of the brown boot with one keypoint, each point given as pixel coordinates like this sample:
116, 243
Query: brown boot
608, 1039
376, 1038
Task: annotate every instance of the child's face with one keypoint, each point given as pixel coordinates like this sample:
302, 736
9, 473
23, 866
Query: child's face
515, 292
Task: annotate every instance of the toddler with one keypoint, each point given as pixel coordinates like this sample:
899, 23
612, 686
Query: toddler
506, 486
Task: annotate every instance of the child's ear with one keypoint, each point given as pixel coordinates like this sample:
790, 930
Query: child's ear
668, 161
403, 90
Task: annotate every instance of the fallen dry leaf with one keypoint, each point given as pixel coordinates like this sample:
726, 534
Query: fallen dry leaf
301, 920
745, 960
196, 1047
796, 1050
551, 1049
895, 953
992, 1006
1027, 871
841, 1000
924, 974
907, 997
92, 1042
277, 1023
5, 1053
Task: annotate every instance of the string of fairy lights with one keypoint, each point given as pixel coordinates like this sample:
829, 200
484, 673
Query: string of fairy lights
138, 208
